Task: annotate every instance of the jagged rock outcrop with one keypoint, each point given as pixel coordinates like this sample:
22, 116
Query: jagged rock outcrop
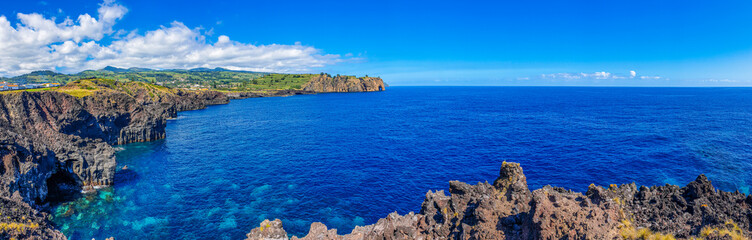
681, 211
270, 230
19, 221
324, 83
506, 209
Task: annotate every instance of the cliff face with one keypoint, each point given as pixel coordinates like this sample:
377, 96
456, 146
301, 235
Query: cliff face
506, 209
52, 141
118, 118
34, 145
325, 83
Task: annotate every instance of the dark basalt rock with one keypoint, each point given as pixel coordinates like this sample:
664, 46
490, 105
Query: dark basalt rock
685, 211
36, 146
20, 221
27, 164
508, 210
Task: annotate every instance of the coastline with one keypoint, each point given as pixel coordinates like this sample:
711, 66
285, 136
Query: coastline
57, 145
507, 209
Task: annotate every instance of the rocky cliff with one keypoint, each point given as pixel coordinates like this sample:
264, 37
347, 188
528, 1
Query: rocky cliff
507, 209
58, 143
65, 136
324, 83
55, 141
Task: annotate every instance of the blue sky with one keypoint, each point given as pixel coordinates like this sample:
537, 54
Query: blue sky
665, 43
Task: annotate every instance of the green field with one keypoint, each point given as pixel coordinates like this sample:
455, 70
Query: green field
215, 79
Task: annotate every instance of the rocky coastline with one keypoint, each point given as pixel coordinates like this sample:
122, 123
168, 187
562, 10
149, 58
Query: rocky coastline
55, 144
507, 209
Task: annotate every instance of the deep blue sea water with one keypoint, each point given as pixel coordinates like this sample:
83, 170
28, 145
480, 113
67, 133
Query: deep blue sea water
349, 159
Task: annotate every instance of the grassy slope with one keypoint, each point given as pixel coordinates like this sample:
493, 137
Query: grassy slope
179, 78
214, 79
85, 87
211, 79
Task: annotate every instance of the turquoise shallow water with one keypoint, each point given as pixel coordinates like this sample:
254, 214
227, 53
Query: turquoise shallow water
349, 159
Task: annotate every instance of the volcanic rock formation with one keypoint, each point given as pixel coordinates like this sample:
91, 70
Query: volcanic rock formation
506, 209
20, 221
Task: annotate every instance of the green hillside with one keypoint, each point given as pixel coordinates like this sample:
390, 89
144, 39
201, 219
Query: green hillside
201, 78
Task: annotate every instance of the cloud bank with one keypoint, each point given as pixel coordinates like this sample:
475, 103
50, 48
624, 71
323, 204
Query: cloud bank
596, 76
39, 43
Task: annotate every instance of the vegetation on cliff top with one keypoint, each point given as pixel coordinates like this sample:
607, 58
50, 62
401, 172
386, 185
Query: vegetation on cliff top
214, 79
85, 87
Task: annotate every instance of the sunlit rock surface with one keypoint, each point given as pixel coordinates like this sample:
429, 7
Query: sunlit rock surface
326, 83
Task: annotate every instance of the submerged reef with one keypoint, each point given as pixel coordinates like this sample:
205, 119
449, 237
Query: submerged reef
507, 209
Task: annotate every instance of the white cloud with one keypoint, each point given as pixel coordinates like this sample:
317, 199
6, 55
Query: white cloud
571, 76
596, 76
561, 76
720, 80
39, 43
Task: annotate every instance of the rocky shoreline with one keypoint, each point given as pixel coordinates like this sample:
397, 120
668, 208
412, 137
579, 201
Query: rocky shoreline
507, 209
54, 144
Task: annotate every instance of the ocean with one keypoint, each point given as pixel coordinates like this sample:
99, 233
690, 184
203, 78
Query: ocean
348, 159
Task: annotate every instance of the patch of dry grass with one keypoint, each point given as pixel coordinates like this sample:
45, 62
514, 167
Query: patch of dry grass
729, 229
17, 226
628, 231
